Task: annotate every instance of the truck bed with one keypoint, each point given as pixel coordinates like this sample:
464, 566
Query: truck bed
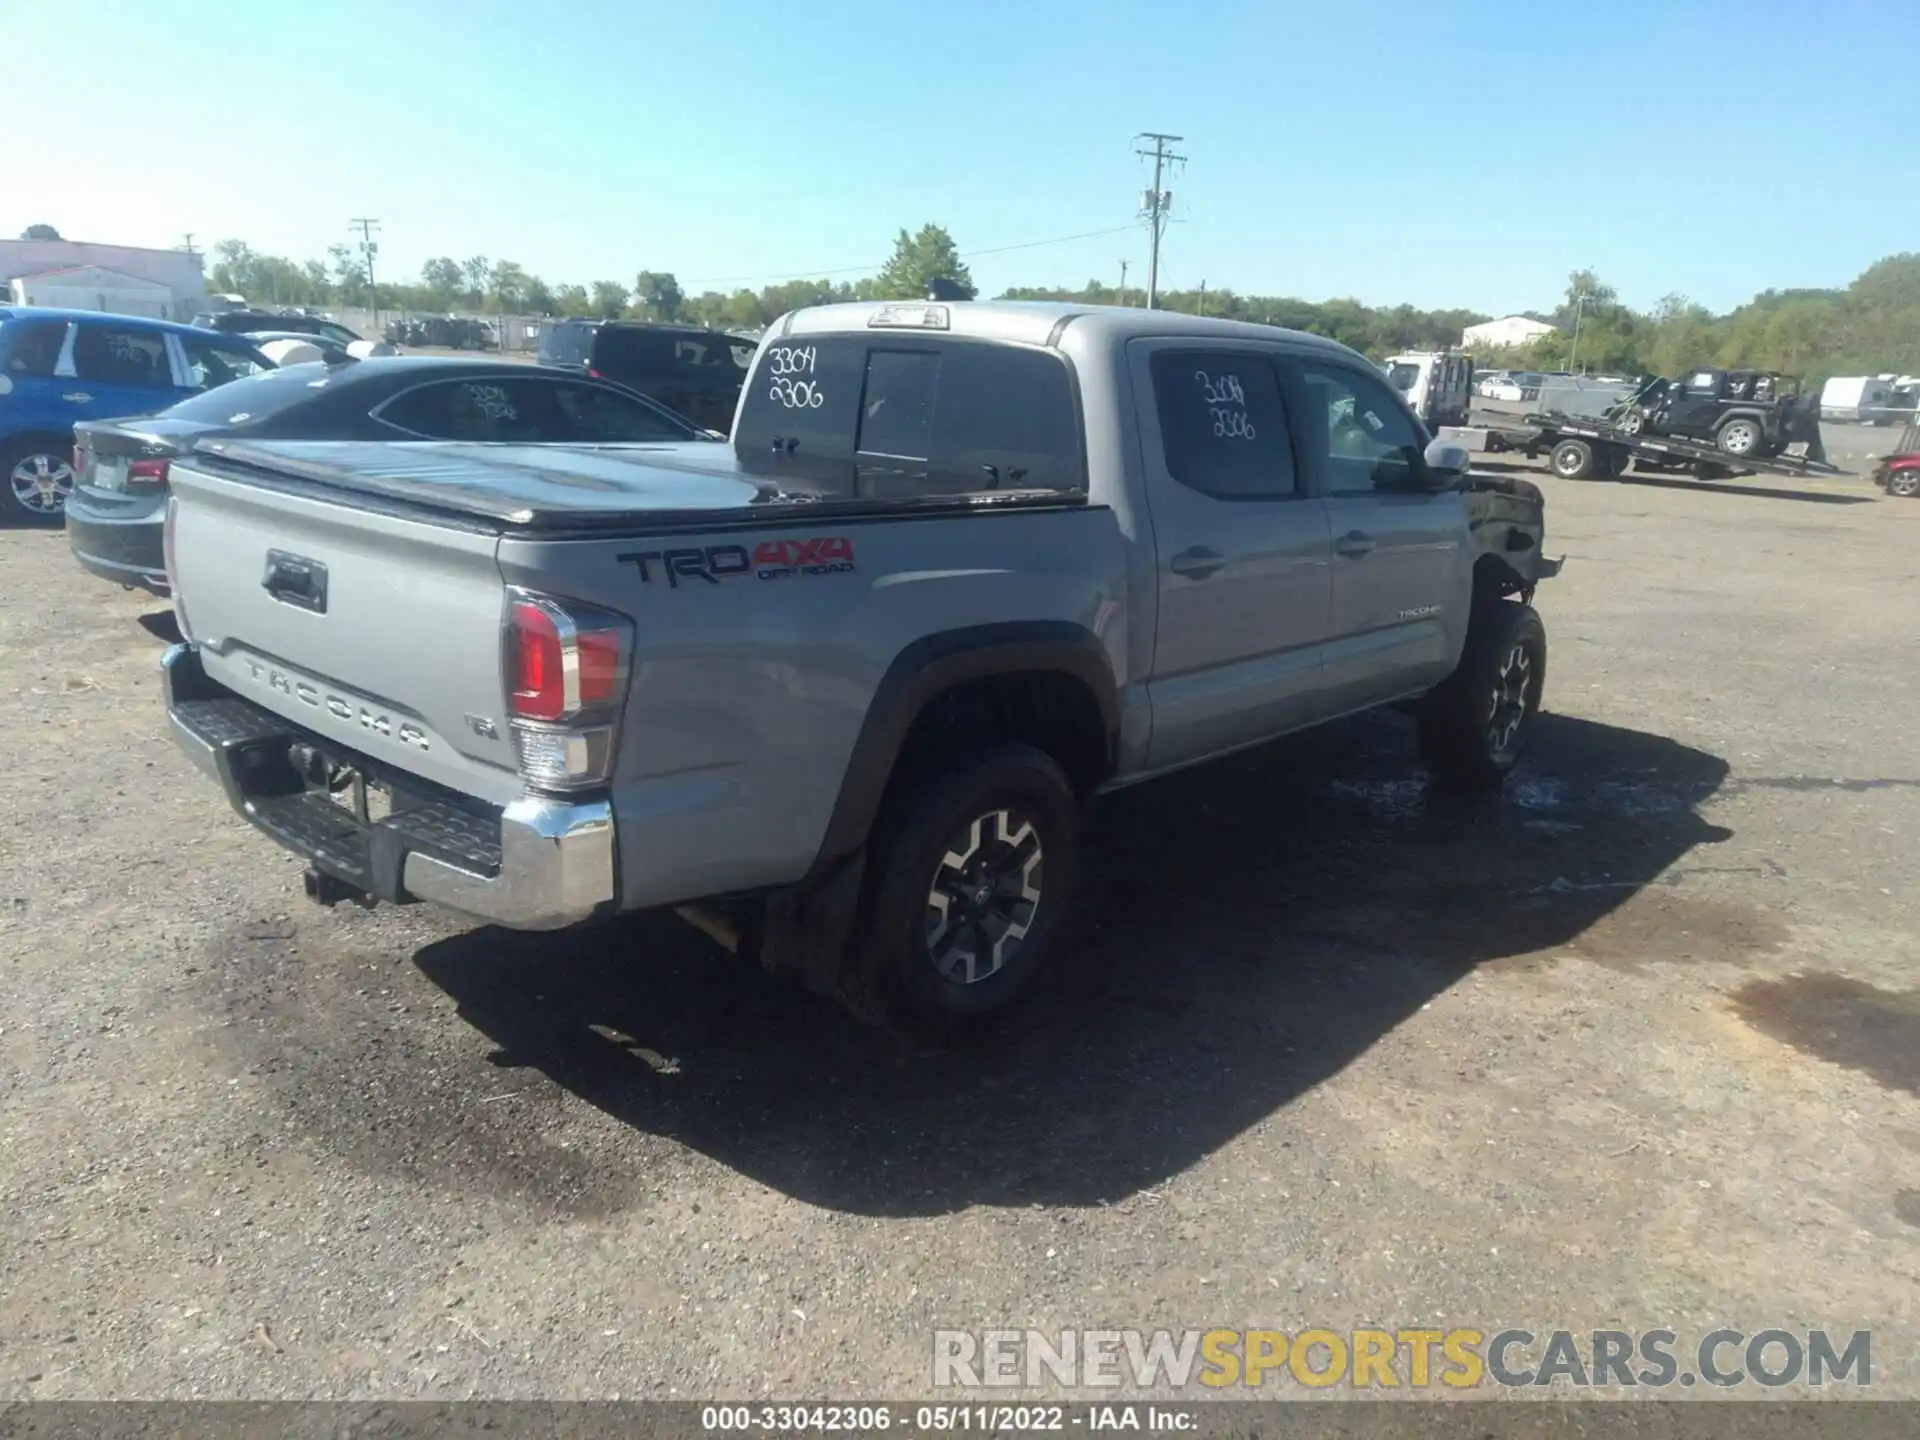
555, 488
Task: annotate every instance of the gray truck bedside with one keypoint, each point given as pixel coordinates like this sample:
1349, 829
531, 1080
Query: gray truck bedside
841, 692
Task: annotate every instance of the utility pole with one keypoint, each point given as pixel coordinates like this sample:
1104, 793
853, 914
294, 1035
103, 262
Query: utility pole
1156, 202
1123, 282
1579, 305
1203, 297
369, 247
186, 243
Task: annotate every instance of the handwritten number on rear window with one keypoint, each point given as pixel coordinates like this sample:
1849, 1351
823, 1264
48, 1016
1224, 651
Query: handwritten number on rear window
491, 401
792, 367
1226, 404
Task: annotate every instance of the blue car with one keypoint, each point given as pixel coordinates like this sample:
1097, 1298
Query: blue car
62, 366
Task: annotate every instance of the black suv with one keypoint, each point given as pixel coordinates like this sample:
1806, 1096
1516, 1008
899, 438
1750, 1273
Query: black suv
250, 322
694, 371
1744, 412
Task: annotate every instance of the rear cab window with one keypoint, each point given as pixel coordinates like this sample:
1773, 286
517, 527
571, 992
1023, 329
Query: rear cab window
892, 416
1223, 425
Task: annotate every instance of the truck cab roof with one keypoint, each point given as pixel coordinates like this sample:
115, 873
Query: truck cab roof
1034, 322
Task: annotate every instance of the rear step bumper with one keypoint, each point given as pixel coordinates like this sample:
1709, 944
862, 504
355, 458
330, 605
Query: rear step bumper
538, 864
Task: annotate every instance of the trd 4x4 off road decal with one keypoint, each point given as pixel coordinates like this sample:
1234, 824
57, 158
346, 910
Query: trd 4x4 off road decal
768, 560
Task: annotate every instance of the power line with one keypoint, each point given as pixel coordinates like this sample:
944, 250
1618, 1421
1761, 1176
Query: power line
1156, 202
868, 269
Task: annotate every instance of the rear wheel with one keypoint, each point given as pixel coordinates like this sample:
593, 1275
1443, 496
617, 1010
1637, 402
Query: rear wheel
1634, 421
1572, 460
39, 476
1474, 726
1739, 436
975, 874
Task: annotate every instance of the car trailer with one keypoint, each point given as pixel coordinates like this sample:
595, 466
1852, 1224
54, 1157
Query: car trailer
1581, 448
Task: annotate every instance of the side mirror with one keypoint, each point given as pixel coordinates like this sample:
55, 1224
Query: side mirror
1447, 463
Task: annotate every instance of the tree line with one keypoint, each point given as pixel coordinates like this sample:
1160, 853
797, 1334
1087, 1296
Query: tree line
1870, 326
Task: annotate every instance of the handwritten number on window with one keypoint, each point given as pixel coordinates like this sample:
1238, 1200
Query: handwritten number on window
1226, 403
790, 365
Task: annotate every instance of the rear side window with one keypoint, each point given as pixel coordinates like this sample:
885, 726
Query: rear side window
255, 398
602, 415
899, 419
565, 344
639, 350
32, 347
1223, 427
121, 355
529, 411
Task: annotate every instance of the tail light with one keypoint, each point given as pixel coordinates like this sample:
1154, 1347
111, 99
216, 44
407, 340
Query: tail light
566, 667
593, 374
169, 549
146, 474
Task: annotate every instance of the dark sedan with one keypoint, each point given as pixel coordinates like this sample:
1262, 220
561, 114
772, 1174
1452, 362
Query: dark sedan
118, 506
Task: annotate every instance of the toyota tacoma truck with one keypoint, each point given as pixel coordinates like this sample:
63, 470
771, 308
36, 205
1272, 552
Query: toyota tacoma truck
841, 693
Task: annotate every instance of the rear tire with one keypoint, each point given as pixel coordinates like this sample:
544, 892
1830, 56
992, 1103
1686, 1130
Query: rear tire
1740, 436
36, 476
974, 875
1475, 724
1572, 460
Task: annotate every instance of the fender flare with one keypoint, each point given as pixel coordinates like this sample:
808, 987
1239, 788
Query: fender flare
935, 663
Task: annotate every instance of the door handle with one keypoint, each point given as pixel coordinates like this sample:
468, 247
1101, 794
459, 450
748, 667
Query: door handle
76, 397
1354, 545
1197, 563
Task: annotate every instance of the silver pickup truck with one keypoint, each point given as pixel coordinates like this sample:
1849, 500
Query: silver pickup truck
843, 691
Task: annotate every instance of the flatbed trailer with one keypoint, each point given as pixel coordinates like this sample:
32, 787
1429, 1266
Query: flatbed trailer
1581, 448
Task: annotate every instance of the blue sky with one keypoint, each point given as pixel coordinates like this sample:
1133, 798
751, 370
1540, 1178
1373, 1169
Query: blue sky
1450, 152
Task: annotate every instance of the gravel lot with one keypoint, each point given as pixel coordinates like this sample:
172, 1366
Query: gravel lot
1637, 1045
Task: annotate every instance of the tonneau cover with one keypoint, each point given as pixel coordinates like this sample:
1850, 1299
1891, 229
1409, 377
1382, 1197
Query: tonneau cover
544, 487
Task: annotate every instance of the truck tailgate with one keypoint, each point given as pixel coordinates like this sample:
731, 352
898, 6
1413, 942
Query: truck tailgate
379, 632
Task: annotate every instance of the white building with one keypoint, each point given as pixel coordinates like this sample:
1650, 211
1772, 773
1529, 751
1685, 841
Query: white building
165, 284
93, 287
1509, 332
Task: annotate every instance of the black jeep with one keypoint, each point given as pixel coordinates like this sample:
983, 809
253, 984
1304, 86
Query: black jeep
1749, 413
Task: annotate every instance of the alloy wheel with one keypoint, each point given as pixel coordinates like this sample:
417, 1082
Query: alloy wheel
1512, 700
984, 897
41, 483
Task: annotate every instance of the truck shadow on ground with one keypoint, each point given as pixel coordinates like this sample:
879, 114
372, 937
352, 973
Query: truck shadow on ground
1249, 928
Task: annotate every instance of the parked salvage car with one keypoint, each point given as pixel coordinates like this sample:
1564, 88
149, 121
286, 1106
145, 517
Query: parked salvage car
697, 372
1899, 475
115, 515
58, 367
846, 688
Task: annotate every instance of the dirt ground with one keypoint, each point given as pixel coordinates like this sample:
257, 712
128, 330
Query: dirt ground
1636, 1045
